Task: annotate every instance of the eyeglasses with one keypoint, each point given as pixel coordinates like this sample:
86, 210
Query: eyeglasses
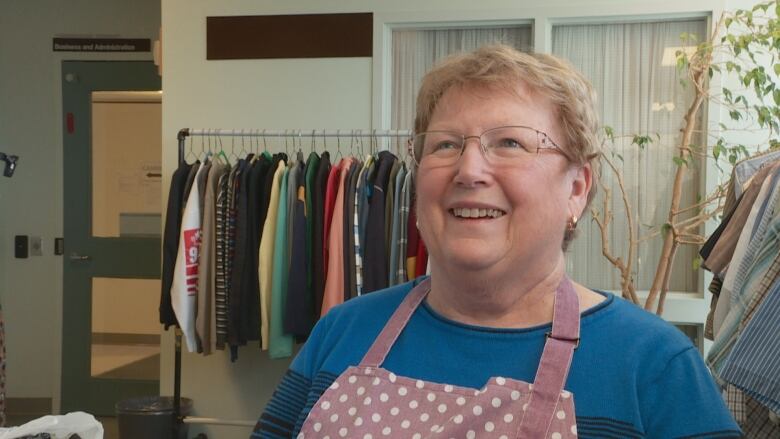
502, 145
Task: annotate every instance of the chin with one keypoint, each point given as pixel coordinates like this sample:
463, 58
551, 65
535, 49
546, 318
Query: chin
471, 258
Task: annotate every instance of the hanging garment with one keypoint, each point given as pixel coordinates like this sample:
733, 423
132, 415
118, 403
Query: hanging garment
746, 169
239, 278
350, 277
737, 287
334, 282
185, 277
251, 312
390, 203
171, 240
230, 248
406, 192
753, 364
723, 250
504, 407
375, 259
318, 214
752, 416
279, 344
221, 261
395, 243
412, 244
330, 203
356, 230
310, 189
265, 269
296, 170
201, 180
299, 312
421, 261
205, 324
363, 209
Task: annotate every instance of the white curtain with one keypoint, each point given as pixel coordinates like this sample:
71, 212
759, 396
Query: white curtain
636, 94
416, 51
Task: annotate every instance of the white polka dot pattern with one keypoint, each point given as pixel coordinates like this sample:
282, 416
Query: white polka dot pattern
372, 403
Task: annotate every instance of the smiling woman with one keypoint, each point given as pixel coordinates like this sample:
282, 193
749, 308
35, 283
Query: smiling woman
498, 339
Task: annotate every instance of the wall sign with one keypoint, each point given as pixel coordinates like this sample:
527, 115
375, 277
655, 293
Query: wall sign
101, 45
289, 36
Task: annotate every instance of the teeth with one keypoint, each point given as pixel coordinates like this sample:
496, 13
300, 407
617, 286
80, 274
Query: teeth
477, 213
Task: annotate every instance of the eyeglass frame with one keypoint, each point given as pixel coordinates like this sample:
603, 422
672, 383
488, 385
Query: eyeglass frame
555, 147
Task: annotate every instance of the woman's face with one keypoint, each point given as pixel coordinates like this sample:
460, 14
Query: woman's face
533, 199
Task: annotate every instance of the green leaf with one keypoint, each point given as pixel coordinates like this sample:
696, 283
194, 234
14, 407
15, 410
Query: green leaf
777, 69
732, 158
735, 115
609, 132
679, 161
697, 262
728, 22
641, 141
666, 228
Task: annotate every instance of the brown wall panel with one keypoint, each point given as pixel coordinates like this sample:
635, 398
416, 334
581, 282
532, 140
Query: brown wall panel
289, 36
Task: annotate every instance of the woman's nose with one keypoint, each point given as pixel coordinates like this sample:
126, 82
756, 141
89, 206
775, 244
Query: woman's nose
472, 165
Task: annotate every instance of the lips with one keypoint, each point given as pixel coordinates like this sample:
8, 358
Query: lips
477, 213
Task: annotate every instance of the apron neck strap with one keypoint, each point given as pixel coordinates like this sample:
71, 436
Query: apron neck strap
384, 342
565, 327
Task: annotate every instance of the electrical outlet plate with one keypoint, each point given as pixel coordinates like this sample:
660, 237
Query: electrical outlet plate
36, 246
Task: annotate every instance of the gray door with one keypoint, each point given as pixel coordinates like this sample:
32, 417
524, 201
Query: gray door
110, 347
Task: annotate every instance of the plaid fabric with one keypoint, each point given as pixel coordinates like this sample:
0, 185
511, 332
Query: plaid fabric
401, 275
771, 275
754, 418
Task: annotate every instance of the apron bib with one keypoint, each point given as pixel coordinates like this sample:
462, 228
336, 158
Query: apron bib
369, 402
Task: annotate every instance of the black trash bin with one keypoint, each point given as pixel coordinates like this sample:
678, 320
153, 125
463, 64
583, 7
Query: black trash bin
150, 417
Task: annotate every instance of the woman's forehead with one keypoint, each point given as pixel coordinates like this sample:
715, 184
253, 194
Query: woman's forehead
461, 95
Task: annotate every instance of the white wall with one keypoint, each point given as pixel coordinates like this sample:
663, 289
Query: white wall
315, 93
31, 201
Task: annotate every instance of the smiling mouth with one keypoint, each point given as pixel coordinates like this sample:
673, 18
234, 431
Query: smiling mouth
477, 213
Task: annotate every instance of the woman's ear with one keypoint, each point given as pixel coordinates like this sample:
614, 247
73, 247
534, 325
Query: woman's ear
581, 182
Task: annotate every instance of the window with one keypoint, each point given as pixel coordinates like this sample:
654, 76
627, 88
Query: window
415, 51
632, 67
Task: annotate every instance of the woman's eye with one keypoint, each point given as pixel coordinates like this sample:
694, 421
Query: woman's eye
509, 143
446, 144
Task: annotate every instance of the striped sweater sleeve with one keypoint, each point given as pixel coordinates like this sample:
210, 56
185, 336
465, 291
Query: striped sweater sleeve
290, 405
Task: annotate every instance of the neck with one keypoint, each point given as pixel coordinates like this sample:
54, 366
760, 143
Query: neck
520, 300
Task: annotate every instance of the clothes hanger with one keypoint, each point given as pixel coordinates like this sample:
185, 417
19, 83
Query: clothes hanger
190, 151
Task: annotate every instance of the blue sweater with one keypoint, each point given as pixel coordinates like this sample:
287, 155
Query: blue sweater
633, 375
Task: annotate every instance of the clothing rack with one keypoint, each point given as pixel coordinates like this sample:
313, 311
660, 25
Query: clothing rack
215, 139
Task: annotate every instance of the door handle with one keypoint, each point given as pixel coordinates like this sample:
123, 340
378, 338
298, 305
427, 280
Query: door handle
78, 257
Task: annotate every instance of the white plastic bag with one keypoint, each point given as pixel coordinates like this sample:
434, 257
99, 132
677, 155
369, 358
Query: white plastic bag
59, 427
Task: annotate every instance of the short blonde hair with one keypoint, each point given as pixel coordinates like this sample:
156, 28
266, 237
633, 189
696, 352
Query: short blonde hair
502, 66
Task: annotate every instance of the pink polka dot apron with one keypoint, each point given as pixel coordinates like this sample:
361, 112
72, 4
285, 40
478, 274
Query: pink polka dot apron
369, 402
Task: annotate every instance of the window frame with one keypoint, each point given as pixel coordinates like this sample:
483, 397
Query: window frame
688, 308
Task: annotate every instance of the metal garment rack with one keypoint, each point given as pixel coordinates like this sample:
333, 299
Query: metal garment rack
215, 136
